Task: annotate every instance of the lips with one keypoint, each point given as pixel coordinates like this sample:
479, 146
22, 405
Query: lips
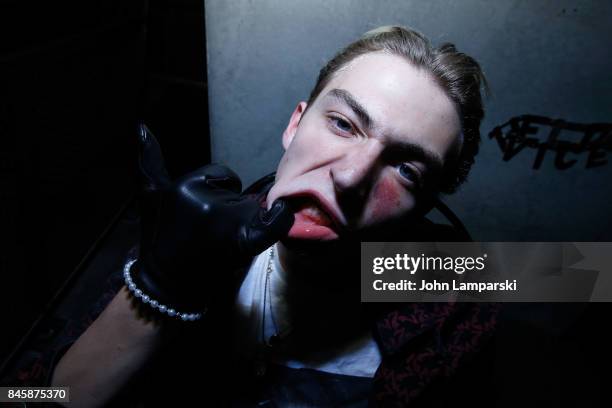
312, 219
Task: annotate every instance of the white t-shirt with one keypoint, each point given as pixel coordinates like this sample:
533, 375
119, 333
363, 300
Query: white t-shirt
360, 357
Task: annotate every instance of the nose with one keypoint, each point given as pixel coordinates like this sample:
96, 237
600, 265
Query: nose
353, 176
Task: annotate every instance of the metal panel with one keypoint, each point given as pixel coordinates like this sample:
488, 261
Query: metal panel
548, 58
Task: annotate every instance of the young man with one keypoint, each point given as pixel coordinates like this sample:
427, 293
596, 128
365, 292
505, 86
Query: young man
391, 122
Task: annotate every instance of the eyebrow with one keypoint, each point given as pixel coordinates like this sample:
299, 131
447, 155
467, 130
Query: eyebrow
432, 161
345, 96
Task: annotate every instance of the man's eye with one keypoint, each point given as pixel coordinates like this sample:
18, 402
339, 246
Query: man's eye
342, 124
409, 173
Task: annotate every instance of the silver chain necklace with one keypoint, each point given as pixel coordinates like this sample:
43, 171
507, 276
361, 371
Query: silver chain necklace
273, 340
271, 343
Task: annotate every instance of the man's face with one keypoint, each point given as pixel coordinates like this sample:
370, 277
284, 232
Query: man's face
366, 149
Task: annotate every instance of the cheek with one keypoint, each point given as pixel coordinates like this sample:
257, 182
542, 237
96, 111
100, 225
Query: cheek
388, 200
290, 162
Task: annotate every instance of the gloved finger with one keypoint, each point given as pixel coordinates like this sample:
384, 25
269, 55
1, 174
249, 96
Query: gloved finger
198, 188
222, 177
212, 177
151, 161
267, 227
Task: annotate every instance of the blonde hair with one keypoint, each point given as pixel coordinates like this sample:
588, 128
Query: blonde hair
458, 74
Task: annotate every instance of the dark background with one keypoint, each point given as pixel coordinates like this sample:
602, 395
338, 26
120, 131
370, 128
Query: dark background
75, 79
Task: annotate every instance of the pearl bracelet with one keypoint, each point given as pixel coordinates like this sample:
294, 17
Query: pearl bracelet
152, 302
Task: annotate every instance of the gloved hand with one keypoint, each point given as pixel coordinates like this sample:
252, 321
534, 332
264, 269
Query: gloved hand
197, 230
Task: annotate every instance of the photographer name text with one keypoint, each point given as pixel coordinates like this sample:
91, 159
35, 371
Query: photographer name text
435, 286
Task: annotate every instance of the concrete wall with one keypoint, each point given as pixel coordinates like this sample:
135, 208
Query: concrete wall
549, 58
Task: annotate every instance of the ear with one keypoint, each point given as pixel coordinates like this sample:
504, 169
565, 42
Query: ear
294, 121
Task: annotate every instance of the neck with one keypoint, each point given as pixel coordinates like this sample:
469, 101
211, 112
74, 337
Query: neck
323, 266
322, 292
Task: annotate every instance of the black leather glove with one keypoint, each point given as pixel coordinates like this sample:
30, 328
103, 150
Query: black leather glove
197, 230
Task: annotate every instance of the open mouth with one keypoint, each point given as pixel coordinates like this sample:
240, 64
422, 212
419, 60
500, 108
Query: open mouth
312, 220
312, 212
